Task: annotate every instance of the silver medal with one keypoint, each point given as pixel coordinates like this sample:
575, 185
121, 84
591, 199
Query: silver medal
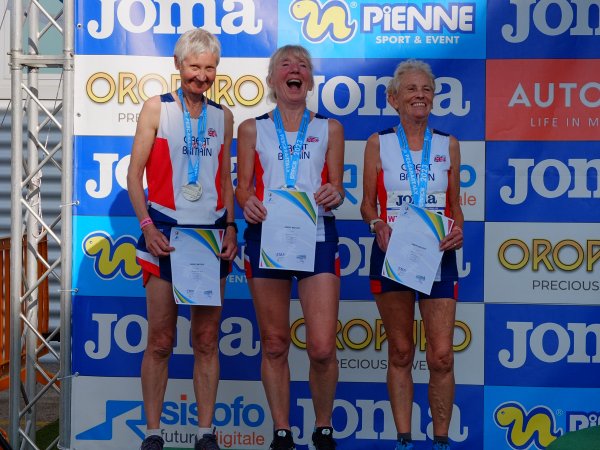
192, 192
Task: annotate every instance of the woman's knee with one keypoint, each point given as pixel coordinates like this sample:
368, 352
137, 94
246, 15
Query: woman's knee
160, 345
321, 353
205, 343
401, 354
275, 346
440, 360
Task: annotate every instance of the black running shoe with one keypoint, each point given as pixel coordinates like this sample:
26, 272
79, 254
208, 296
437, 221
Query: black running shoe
282, 440
322, 439
208, 442
153, 442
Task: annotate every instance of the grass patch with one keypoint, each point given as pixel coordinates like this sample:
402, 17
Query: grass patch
46, 435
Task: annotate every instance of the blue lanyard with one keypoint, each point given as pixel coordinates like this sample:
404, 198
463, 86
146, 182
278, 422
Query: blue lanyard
419, 190
290, 162
194, 154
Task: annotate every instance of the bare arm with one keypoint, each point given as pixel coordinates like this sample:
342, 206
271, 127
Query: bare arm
455, 238
331, 194
368, 206
229, 248
254, 210
147, 127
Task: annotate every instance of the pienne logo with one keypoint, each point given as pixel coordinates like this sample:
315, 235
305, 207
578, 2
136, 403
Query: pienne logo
322, 21
523, 428
112, 257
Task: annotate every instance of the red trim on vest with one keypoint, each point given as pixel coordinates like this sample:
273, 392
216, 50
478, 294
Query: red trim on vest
159, 173
259, 184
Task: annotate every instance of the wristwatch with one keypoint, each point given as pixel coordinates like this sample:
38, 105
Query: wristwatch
372, 224
232, 224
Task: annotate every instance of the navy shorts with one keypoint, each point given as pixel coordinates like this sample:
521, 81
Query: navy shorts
445, 288
161, 266
327, 258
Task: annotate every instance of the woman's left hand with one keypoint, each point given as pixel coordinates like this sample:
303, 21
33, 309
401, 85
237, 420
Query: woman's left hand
229, 247
328, 196
454, 240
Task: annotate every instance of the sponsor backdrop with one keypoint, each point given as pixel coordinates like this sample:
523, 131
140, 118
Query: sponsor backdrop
517, 84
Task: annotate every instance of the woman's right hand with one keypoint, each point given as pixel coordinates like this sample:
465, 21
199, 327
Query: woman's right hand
254, 210
156, 242
382, 233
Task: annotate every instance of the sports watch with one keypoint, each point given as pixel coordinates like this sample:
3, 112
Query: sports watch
372, 224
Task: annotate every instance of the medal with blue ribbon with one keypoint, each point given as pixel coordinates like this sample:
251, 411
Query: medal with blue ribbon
291, 161
192, 191
418, 188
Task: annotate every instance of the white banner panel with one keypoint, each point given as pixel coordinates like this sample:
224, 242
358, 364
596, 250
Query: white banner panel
542, 263
362, 344
110, 90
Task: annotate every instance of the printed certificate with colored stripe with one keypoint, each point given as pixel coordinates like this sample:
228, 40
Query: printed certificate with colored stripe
195, 266
413, 255
289, 234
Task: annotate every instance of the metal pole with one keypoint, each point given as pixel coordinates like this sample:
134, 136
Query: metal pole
67, 225
30, 305
16, 227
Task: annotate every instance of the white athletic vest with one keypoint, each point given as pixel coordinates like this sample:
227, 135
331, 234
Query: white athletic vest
393, 185
167, 166
312, 170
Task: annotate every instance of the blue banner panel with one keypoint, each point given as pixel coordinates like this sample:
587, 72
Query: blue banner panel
355, 253
470, 262
101, 163
542, 29
362, 417
542, 181
109, 338
384, 29
533, 418
542, 345
104, 256
358, 98
151, 28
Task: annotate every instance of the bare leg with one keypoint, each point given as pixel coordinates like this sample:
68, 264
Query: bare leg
319, 295
438, 317
397, 310
205, 342
162, 318
272, 305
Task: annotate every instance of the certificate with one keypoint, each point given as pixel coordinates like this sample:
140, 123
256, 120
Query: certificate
195, 266
413, 255
289, 234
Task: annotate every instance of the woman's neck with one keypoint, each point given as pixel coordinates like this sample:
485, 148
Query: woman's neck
415, 132
194, 103
291, 116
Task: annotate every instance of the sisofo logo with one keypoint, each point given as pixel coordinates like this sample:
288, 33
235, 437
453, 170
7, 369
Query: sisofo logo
156, 15
570, 343
175, 413
574, 19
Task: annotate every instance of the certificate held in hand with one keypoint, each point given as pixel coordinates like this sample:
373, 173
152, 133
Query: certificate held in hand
413, 255
289, 234
196, 266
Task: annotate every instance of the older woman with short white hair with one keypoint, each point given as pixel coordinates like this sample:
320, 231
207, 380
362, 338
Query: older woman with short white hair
399, 160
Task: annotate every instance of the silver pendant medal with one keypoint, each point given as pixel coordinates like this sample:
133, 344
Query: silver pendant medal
192, 191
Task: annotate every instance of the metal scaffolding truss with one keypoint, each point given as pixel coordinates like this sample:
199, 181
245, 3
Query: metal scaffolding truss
30, 155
